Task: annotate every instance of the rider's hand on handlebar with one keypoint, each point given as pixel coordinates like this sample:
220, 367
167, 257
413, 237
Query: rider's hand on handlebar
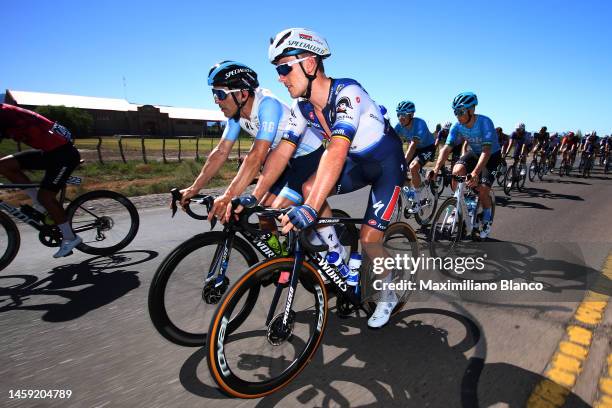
219, 208
472, 180
247, 200
431, 174
186, 195
299, 217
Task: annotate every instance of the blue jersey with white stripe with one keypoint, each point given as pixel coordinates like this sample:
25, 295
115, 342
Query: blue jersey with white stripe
269, 117
351, 114
417, 132
481, 134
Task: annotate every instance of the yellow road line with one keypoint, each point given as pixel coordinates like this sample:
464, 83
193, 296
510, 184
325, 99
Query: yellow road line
568, 361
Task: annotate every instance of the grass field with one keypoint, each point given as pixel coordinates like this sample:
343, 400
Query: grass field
134, 178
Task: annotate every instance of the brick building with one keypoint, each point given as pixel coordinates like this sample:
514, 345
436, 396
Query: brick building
118, 116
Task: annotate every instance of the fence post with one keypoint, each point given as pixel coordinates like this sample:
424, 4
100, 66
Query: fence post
164, 149
99, 149
197, 148
179, 152
144, 153
121, 149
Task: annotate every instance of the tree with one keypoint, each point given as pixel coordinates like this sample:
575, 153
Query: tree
76, 120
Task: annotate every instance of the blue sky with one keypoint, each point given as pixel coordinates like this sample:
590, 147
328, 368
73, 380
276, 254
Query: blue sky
543, 63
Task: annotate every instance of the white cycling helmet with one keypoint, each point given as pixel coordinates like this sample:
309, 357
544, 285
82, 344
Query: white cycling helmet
447, 126
294, 41
520, 126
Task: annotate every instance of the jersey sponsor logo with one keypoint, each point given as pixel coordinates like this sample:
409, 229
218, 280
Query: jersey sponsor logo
293, 114
377, 207
311, 115
357, 99
372, 223
343, 104
62, 131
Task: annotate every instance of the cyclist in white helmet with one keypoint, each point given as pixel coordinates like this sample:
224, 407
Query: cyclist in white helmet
363, 150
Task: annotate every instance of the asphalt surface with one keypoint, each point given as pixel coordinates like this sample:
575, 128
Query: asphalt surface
81, 323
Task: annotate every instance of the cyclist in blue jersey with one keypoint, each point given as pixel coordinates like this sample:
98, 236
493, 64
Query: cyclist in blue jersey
482, 161
363, 150
263, 116
422, 148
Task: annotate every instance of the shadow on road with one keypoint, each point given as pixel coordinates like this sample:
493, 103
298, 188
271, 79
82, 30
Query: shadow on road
508, 202
409, 363
86, 286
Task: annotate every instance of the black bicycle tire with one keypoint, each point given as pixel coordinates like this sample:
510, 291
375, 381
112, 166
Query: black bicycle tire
156, 297
227, 381
13, 240
508, 187
425, 221
451, 201
134, 220
520, 184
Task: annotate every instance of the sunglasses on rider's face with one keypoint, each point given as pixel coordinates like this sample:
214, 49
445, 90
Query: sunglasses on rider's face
221, 94
460, 111
286, 67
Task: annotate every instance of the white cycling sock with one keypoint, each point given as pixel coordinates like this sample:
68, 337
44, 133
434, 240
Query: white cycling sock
33, 194
329, 236
67, 232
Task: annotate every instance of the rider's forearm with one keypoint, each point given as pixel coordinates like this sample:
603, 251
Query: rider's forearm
274, 167
248, 170
212, 166
328, 172
444, 153
410, 152
482, 161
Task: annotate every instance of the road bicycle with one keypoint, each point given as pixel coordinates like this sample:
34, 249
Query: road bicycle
515, 176
538, 167
193, 277
106, 221
458, 217
502, 167
589, 161
259, 344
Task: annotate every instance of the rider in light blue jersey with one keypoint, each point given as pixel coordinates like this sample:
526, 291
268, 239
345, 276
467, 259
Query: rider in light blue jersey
362, 150
422, 148
263, 116
482, 161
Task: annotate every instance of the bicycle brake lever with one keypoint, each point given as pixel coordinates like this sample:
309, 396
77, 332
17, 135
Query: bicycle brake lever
176, 196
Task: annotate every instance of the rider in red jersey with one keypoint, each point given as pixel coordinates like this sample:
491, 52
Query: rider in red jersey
53, 152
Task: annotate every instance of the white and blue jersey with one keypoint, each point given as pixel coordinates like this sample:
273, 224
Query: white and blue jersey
269, 118
481, 134
375, 155
351, 114
417, 132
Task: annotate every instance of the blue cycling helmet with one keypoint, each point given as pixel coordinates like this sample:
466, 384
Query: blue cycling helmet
465, 100
405, 107
233, 75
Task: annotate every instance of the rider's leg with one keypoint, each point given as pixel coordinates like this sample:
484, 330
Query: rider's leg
327, 234
11, 169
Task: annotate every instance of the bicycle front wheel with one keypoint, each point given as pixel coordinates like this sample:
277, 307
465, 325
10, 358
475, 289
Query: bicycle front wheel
249, 358
106, 221
533, 170
428, 205
181, 302
9, 240
446, 229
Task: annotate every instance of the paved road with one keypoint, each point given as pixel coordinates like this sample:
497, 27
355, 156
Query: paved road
83, 325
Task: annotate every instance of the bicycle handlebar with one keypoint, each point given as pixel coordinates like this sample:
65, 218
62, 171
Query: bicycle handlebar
201, 199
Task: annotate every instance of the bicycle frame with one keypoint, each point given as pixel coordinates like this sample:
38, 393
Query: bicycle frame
462, 209
323, 268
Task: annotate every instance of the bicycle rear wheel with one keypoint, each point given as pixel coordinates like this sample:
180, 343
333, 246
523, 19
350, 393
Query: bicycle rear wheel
107, 221
250, 359
181, 304
501, 173
9, 240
